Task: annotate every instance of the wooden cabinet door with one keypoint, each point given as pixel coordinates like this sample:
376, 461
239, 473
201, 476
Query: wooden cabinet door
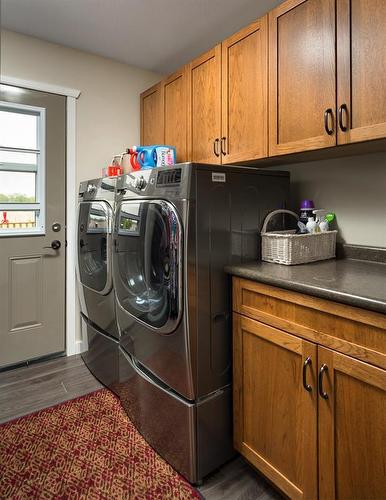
175, 113
152, 120
361, 65
245, 94
275, 417
302, 89
204, 85
352, 429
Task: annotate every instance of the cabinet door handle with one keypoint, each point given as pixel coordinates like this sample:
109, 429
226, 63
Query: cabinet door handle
216, 144
327, 114
306, 363
343, 109
223, 143
323, 369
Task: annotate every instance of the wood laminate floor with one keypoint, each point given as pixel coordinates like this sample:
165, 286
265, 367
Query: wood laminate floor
31, 388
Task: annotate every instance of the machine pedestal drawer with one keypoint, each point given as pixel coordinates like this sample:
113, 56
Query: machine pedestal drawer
102, 357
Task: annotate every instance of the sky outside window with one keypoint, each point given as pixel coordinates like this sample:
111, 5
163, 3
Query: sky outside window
18, 130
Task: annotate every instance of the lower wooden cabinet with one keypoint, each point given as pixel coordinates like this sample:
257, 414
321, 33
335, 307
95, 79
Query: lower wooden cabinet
352, 429
311, 419
275, 417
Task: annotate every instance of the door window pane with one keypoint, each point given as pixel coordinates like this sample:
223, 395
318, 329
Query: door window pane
22, 167
18, 158
17, 187
18, 130
17, 220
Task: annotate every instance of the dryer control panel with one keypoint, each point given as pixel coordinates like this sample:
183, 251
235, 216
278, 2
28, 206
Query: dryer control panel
169, 177
166, 182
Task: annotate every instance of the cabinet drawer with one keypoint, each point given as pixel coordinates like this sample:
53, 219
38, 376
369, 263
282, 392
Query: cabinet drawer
350, 330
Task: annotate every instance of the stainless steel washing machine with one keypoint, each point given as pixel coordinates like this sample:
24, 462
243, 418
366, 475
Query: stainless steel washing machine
94, 271
175, 230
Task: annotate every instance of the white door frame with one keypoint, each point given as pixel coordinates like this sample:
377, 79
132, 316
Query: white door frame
73, 346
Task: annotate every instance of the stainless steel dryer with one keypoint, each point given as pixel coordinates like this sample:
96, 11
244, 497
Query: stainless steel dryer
175, 230
94, 271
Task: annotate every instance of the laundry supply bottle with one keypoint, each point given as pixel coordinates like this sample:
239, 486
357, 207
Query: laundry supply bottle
311, 225
306, 208
321, 221
125, 162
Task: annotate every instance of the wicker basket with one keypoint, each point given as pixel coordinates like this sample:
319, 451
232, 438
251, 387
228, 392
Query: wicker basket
286, 247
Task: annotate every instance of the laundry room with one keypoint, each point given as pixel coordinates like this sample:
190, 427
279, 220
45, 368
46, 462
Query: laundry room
193, 249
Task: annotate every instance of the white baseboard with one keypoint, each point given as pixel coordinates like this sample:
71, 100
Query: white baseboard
77, 348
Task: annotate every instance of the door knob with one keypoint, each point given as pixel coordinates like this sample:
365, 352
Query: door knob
55, 245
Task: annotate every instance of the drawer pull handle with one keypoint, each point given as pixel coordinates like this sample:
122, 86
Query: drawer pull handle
223, 148
322, 371
216, 144
327, 114
306, 363
343, 110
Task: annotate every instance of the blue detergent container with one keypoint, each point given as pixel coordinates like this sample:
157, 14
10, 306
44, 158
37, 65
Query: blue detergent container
158, 155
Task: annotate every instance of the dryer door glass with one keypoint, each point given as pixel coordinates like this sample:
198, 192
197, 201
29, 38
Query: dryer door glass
147, 262
94, 232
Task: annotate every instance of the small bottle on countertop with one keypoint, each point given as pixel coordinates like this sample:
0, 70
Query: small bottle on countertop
311, 225
323, 218
306, 208
321, 221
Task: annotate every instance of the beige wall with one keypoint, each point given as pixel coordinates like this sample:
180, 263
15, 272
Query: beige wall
107, 109
354, 188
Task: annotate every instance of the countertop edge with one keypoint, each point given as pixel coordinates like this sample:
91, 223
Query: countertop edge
324, 293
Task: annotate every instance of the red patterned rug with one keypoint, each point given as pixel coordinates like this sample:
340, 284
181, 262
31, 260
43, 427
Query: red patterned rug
86, 448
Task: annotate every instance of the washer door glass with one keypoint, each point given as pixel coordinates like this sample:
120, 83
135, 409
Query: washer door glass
94, 233
147, 262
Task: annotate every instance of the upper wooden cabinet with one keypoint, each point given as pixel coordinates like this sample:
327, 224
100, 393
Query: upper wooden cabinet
228, 99
361, 59
309, 75
164, 114
152, 119
245, 94
307, 110
204, 107
302, 76
175, 113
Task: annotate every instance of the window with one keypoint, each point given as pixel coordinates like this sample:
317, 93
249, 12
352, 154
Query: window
22, 169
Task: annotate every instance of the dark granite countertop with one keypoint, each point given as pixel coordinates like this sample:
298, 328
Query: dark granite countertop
354, 282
